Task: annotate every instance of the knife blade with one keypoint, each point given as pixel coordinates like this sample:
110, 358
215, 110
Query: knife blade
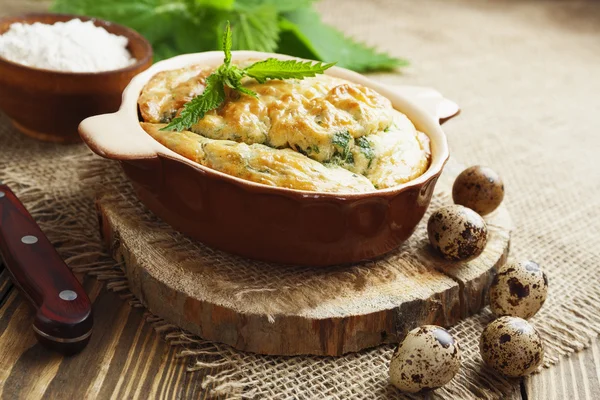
63, 321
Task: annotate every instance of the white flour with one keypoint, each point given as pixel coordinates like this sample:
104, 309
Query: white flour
72, 46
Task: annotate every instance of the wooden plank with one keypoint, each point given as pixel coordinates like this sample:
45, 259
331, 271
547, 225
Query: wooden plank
125, 358
5, 284
575, 377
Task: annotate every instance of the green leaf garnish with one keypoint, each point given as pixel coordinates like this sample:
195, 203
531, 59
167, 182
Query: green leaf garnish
231, 76
211, 98
227, 44
279, 5
272, 68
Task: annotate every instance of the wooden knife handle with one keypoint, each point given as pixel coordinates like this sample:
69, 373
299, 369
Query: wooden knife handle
63, 320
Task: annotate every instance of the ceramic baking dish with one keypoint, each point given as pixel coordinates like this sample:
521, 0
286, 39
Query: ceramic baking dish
259, 221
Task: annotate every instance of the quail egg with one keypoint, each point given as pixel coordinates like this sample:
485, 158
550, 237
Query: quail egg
519, 290
427, 358
511, 346
479, 188
457, 232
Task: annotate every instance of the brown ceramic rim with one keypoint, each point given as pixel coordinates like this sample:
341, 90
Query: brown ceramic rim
32, 18
119, 136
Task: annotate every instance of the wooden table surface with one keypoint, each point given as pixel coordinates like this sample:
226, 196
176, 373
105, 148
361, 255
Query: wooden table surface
126, 358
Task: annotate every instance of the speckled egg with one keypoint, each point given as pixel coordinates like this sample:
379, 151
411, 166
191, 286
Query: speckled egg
457, 232
479, 188
511, 346
427, 358
519, 290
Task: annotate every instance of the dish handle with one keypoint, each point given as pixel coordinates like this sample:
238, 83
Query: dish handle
431, 100
110, 136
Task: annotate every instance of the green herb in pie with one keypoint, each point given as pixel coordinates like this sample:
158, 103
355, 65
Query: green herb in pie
231, 75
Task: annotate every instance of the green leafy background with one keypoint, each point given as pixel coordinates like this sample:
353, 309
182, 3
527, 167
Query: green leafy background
188, 26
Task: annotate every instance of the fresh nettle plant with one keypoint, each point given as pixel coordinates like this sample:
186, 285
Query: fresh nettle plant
230, 75
190, 26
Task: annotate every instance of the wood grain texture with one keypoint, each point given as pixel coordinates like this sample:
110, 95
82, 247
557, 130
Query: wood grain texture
125, 359
260, 307
5, 284
121, 340
575, 377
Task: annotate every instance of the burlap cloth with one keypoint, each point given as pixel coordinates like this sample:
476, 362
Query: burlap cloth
527, 78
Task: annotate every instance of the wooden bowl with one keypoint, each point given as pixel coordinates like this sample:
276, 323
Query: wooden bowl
49, 105
259, 221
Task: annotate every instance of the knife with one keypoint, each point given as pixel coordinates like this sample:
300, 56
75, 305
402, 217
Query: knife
63, 321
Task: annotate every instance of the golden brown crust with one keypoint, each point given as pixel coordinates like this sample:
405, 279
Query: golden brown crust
326, 119
168, 91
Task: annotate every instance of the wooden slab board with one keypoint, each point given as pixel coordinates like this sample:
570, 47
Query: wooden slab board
287, 310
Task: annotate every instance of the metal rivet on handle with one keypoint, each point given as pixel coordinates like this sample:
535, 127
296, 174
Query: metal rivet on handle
67, 295
2, 194
29, 239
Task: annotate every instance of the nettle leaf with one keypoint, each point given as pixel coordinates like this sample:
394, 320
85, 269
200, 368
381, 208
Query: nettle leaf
226, 44
255, 28
293, 42
366, 148
279, 5
199, 31
155, 19
231, 76
185, 26
244, 90
306, 33
113, 8
273, 68
66, 6
164, 49
210, 99
219, 4
341, 140
189, 37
